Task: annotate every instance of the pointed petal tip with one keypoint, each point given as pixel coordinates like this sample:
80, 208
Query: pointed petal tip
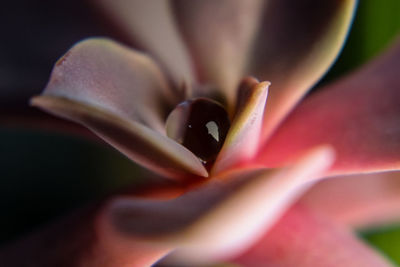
33, 101
42, 102
243, 137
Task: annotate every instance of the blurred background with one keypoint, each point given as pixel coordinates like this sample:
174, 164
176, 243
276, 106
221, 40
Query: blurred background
43, 174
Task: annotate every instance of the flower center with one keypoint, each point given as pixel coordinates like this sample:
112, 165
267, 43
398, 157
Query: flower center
200, 125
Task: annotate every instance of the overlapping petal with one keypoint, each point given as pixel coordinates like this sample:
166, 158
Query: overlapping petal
119, 94
123, 96
150, 25
219, 35
359, 116
205, 224
289, 44
244, 135
308, 239
360, 201
297, 43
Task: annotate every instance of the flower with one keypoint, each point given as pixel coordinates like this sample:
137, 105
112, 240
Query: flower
124, 96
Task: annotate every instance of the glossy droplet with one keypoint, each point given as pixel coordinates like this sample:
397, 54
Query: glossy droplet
200, 125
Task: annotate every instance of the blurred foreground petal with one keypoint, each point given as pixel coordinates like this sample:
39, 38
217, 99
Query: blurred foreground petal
72, 242
218, 220
305, 239
360, 201
359, 116
137, 231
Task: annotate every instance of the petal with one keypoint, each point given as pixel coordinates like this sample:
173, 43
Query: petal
150, 25
289, 44
359, 116
138, 142
72, 242
117, 93
361, 201
243, 137
105, 74
219, 34
218, 219
297, 43
306, 239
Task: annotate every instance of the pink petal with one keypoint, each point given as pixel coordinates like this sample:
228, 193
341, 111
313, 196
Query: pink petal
360, 201
119, 94
150, 24
72, 242
305, 239
243, 137
219, 35
359, 116
219, 219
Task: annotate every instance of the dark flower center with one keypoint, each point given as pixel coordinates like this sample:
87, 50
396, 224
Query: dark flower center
201, 125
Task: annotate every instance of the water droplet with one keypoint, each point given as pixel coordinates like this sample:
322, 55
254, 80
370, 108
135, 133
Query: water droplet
201, 125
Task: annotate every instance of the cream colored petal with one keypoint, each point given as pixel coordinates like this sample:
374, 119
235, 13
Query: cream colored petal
138, 142
119, 94
297, 42
105, 74
219, 219
219, 35
150, 24
243, 138
291, 44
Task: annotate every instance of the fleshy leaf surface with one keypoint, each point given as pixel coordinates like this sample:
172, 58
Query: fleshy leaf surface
219, 35
297, 43
289, 44
150, 25
360, 201
307, 239
119, 94
218, 219
358, 115
243, 138
138, 142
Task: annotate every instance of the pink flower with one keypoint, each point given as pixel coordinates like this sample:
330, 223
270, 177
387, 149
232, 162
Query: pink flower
220, 204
